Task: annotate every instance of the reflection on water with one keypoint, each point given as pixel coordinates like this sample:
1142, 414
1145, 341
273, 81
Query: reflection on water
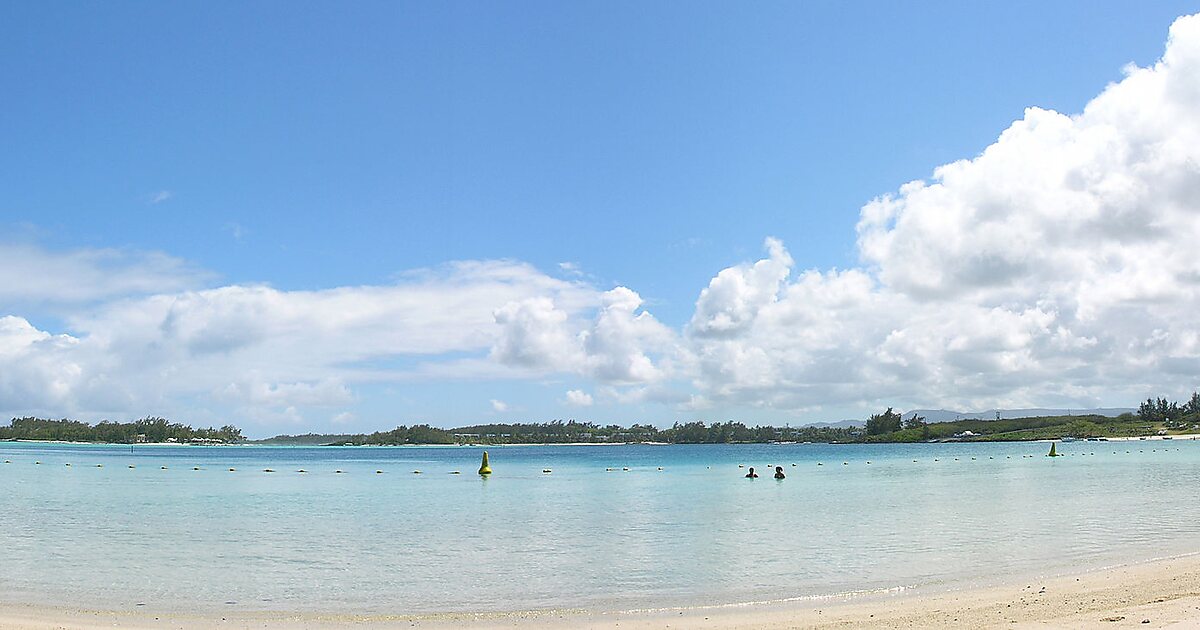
694, 532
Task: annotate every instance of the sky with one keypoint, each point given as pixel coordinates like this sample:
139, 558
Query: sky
331, 217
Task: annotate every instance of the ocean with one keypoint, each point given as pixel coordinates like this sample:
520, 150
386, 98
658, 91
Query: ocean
680, 527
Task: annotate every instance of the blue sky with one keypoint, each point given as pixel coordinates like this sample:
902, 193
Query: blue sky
317, 146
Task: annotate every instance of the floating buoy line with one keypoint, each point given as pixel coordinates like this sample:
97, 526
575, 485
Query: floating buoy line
485, 469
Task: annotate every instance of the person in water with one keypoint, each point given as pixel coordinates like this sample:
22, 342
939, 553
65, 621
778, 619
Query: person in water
752, 474
779, 472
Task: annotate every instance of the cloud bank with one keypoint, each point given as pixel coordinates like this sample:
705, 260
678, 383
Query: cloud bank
1057, 267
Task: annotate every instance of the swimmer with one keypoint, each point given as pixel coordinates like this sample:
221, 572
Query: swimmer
779, 472
752, 474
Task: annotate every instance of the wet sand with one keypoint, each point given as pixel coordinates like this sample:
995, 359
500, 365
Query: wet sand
1158, 594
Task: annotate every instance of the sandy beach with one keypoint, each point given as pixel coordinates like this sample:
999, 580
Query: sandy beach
1157, 594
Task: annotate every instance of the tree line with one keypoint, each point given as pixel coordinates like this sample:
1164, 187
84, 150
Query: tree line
1154, 414
151, 429
1170, 413
572, 431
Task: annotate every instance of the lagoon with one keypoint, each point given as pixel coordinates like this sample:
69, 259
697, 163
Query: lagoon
163, 536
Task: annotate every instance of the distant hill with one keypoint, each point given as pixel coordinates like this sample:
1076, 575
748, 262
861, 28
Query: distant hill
844, 424
946, 415
310, 439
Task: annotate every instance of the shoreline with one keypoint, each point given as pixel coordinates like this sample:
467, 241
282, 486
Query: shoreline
1146, 438
1159, 593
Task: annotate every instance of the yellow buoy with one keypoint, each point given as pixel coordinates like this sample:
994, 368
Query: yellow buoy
1053, 452
484, 468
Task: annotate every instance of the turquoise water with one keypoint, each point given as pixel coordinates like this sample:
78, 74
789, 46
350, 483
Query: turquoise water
693, 533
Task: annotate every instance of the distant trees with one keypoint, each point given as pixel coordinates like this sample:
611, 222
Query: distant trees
150, 429
1170, 413
559, 432
886, 422
416, 434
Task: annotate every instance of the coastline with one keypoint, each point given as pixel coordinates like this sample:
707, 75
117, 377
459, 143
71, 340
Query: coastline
1161, 593
1180, 436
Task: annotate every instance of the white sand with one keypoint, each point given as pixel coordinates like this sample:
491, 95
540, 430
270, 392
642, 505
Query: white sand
1159, 594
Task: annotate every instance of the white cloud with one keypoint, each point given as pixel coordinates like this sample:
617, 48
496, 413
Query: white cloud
34, 275
1059, 264
734, 298
499, 406
579, 398
252, 391
344, 417
156, 198
618, 345
536, 335
46, 376
268, 354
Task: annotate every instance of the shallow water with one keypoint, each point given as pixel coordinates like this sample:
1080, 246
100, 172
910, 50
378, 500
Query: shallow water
693, 533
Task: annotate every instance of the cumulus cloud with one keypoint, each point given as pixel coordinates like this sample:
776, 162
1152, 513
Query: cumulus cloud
1058, 265
268, 354
618, 345
535, 335
47, 374
499, 406
733, 300
579, 398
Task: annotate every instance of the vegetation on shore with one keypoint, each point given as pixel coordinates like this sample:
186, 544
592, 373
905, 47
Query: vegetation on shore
572, 432
151, 429
1156, 415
